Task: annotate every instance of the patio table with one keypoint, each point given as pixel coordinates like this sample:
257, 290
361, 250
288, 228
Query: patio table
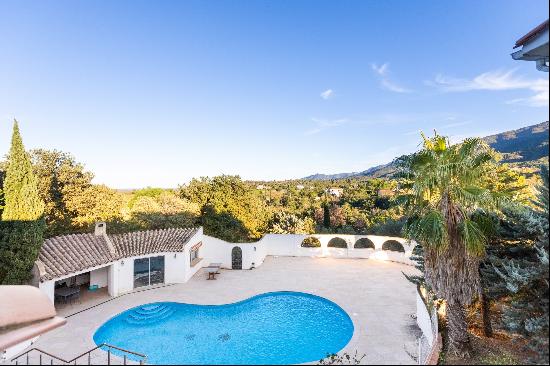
212, 271
218, 266
66, 292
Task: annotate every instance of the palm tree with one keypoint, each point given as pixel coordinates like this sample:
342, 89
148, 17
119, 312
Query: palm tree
447, 191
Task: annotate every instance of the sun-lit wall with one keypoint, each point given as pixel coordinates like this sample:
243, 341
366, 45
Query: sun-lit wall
290, 245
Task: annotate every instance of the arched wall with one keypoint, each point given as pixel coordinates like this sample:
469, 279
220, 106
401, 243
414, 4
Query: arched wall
338, 242
364, 243
393, 245
289, 245
377, 240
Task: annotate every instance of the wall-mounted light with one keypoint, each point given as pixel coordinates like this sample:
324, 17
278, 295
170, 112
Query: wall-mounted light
254, 248
175, 255
122, 263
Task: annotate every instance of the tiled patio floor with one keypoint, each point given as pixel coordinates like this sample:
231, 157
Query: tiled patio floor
375, 294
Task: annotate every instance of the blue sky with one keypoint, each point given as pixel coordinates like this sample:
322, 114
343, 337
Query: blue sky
156, 92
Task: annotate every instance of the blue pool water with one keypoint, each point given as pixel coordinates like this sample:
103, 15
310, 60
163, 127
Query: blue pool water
272, 328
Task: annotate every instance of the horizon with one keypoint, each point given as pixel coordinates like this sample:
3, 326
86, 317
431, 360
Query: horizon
154, 95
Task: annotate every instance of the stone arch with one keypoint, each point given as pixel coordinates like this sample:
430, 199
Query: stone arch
236, 258
364, 243
311, 242
337, 242
393, 245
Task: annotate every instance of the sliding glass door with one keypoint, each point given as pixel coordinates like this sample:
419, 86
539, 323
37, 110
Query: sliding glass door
157, 270
141, 272
148, 271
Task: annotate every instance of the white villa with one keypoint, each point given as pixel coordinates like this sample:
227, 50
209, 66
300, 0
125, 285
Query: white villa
123, 263
116, 272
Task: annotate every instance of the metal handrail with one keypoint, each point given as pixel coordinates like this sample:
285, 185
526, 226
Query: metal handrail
141, 362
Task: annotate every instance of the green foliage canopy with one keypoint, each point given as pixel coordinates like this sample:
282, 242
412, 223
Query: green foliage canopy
22, 225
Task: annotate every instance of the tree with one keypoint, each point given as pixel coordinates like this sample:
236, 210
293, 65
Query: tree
2, 175
326, 216
445, 192
22, 225
22, 200
502, 241
96, 203
288, 223
230, 209
525, 277
61, 180
153, 209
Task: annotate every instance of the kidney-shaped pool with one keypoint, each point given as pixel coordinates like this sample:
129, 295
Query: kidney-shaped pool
272, 328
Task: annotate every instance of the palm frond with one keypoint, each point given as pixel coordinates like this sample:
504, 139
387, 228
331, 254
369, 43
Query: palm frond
428, 229
486, 222
472, 237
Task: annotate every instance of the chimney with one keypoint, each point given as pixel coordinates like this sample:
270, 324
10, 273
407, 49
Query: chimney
100, 229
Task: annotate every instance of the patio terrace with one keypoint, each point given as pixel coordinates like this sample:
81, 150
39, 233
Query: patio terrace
375, 294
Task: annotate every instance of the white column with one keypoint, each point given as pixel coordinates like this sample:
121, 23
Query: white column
113, 279
48, 288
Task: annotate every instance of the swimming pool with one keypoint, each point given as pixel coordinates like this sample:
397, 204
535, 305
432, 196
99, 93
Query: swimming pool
272, 328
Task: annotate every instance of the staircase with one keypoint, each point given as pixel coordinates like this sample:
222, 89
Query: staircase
150, 314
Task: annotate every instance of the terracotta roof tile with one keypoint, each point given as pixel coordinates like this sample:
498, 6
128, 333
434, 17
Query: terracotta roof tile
66, 254
151, 241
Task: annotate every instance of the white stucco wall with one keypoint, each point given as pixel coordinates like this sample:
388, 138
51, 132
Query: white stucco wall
423, 319
175, 268
125, 275
113, 279
191, 270
48, 287
217, 250
100, 277
16, 350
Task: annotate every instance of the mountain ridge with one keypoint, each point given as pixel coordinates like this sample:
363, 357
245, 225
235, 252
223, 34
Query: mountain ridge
522, 145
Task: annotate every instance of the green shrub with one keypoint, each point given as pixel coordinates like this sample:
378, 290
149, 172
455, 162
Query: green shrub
337, 243
364, 243
311, 242
393, 245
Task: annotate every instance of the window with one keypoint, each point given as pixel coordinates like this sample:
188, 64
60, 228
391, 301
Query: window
194, 254
148, 271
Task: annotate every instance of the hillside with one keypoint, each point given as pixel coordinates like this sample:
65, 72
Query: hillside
525, 146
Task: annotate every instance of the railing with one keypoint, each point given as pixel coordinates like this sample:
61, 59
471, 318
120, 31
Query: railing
26, 356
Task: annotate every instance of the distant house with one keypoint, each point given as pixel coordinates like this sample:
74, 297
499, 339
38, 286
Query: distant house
335, 192
534, 47
121, 263
300, 186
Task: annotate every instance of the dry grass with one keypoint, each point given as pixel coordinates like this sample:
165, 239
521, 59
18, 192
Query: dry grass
501, 349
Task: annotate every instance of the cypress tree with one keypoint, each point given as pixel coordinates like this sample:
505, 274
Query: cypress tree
22, 225
22, 201
326, 216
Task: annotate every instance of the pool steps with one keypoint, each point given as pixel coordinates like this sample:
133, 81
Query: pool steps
150, 314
